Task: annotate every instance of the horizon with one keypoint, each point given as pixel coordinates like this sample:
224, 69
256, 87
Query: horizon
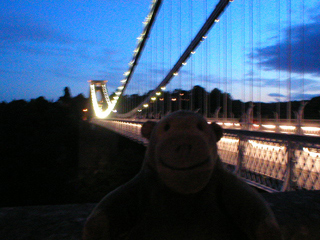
87, 97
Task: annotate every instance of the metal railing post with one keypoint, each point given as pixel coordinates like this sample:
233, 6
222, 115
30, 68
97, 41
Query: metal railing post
290, 181
241, 151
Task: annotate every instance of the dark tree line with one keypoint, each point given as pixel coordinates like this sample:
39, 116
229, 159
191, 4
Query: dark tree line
39, 146
211, 103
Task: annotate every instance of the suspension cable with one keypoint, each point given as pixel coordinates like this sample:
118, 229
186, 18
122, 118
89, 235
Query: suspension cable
259, 64
191, 63
279, 61
303, 50
289, 60
220, 7
230, 68
243, 108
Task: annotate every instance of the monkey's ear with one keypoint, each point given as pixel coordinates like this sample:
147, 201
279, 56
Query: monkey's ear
147, 128
217, 130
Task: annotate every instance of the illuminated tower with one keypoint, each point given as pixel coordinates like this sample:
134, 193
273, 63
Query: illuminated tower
102, 106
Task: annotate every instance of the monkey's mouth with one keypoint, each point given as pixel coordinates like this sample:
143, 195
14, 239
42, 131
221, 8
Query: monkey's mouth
191, 167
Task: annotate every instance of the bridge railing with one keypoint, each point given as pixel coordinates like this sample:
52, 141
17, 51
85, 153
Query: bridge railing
271, 161
129, 129
305, 127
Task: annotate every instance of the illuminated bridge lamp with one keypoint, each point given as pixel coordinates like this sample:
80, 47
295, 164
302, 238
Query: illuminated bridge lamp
158, 93
228, 140
145, 105
163, 88
269, 126
310, 128
287, 127
265, 146
312, 154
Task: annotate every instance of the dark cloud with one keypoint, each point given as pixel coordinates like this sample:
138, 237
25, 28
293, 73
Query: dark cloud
26, 36
300, 96
305, 50
296, 83
276, 95
300, 89
15, 29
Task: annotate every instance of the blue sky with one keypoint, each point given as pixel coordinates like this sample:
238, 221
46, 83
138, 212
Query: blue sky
48, 45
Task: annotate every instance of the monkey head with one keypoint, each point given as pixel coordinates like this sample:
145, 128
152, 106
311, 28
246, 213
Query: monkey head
182, 150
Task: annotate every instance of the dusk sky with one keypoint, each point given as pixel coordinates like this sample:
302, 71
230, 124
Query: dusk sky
48, 45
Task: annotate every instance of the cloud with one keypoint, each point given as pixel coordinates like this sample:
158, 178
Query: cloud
300, 96
300, 89
24, 35
296, 83
305, 50
15, 29
25, 38
276, 95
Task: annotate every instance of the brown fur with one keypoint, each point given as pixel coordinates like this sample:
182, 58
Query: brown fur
182, 191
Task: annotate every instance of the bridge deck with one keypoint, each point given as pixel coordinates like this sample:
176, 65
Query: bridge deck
271, 161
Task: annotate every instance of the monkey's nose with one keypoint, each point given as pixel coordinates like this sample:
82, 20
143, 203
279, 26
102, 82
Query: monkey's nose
183, 150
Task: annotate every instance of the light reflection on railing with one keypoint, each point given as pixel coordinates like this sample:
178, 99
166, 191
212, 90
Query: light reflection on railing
308, 127
274, 162
271, 161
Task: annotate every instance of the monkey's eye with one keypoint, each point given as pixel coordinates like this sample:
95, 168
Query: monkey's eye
200, 126
166, 127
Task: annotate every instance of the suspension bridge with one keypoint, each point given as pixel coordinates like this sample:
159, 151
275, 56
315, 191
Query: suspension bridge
202, 56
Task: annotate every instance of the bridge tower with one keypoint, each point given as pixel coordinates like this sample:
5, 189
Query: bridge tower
101, 104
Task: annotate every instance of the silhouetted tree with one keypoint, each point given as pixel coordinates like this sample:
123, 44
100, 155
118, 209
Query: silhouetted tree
312, 109
66, 98
39, 150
